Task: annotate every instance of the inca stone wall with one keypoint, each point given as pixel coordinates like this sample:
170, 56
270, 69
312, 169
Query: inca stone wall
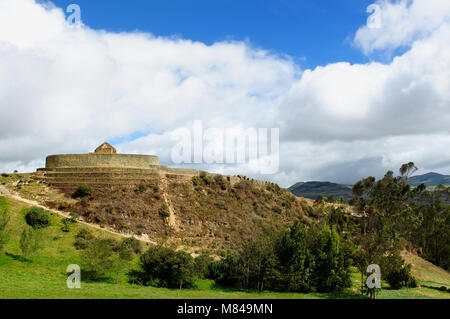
101, 160
104, 167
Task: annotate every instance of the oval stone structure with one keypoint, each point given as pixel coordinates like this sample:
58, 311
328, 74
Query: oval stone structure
103, 167
101, 160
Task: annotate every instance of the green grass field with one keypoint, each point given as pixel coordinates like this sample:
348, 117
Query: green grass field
43, 275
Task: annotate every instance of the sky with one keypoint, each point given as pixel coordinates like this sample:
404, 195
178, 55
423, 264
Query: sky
350, 99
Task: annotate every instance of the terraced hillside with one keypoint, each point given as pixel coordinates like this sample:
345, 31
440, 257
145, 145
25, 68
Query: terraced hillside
201, 211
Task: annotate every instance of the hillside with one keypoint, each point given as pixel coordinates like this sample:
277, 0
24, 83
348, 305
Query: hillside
207, 212
430, 179
43, 275
313, 189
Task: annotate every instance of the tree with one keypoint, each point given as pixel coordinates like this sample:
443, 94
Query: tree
406, 170
164, 267
396, 272
29, 241
386, 209
125, 252
98, 258
4, 233
296, 261
331, 264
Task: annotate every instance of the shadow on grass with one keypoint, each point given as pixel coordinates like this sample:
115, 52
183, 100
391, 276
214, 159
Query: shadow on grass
346, 294
19, 258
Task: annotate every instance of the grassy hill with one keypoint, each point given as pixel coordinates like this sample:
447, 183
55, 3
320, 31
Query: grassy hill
313, 189
43, 275
209, 212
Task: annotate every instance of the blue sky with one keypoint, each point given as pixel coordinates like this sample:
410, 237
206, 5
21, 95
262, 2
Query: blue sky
312, 32
347, 119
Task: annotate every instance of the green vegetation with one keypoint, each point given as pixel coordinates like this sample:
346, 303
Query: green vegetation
43, 274
4, 232
164, 267
37, 218
29, 241
298, 259
82, 191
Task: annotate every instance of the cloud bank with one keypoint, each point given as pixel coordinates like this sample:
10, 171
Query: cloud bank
66, 90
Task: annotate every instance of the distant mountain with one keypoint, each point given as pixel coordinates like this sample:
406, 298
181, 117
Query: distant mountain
430, 179
313, 189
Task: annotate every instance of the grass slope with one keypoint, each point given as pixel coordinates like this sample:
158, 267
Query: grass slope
43, 275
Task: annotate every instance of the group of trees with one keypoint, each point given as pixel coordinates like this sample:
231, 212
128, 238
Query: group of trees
299, 259
393, 217
103, 257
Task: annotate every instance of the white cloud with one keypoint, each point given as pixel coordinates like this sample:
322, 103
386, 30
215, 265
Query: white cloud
401, 23
69, 89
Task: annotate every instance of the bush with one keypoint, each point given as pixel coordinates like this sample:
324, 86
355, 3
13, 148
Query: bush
28, 241
164, 267
196, 181
83, 238
202, 265
134, 244
396, 272
98, 258
74, 216
82, 191
218, 179
37, 218
4, 233
63, 206
66, 222
164, 211
141, 189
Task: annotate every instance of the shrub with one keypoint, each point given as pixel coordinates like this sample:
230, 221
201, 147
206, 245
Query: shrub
218, 179
98, 258
202, 265
164, 211
164, 267
134, 244
141, 189
63, 206
74, 216
4, 233
37, 218
396, 272
28, 241
82, 191
196, 180
83, 238
66, 222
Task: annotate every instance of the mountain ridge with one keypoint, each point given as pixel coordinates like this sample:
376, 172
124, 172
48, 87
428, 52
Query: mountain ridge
312, 189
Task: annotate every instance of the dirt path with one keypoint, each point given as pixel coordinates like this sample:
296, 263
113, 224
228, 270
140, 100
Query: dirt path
6, 192
171, 219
